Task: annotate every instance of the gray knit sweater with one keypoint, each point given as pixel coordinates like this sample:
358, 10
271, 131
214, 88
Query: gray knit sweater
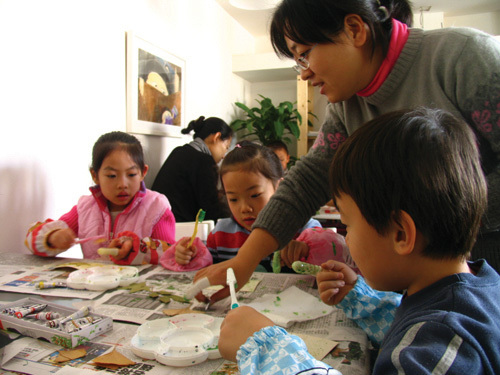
455, 69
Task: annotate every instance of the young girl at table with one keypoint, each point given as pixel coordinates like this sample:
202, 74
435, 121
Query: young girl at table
250, 174
412, 217
121, 213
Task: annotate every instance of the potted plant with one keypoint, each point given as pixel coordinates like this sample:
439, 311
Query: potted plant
270, 123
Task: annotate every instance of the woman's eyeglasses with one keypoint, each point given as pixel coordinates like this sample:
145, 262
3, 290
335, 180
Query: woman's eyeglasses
302, 62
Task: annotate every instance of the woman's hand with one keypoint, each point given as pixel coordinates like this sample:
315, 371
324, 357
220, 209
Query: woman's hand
237, 327
335, 281
257, 246
61, 239
184, 254
295, 250
217, 275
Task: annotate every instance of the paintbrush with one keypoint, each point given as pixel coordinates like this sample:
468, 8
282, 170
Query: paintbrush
200, 216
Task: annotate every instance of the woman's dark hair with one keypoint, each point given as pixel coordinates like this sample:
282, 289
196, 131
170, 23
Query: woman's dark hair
203, 127
424, 162
114, 141
251, 157
320, 21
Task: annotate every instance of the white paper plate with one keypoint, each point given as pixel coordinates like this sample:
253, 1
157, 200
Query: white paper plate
179, 341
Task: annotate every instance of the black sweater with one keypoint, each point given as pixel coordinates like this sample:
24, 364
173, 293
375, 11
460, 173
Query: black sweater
188, 178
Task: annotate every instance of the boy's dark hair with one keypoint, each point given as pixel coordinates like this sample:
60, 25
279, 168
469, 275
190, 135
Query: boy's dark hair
319, 21
203, 127
109, 142
278, 145
424, 162
251, 157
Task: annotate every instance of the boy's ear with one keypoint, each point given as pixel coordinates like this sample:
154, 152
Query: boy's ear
356, 29
405, 234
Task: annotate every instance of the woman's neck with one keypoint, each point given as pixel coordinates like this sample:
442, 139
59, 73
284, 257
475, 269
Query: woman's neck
384, 64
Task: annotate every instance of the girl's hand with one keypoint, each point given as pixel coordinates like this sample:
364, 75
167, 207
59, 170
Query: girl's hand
183, 254
237, 327
335, 281
61, 239
124, 244
295, 250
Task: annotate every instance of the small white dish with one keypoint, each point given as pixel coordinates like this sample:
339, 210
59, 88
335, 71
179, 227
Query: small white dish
144, 349
179, 341
184, 346
128, 275
78, 279
102, 277
102, 282
153, 330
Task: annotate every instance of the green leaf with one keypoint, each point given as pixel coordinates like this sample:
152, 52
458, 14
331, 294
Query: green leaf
294, 129
279, 128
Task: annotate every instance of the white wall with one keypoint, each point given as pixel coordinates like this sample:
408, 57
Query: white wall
62, 85
487, 22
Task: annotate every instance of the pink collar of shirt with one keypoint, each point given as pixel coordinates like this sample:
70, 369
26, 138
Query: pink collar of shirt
399, 36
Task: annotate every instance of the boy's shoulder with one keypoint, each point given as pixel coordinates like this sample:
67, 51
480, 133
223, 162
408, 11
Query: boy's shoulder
462, 296
456, 320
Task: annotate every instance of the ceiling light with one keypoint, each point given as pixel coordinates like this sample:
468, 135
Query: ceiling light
254, 4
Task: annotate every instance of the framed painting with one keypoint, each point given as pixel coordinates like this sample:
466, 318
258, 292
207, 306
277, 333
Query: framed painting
155, 89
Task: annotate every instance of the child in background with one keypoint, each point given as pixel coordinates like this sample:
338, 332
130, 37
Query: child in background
281, 152
120, 210
250, 174
412, 215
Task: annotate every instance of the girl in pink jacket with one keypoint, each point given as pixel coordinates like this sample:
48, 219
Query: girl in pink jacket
121, 213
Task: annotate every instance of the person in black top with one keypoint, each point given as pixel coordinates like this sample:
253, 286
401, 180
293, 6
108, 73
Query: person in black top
189, 176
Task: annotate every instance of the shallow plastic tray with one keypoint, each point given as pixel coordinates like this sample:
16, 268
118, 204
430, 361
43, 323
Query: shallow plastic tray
102, 277
38, 329
179, 341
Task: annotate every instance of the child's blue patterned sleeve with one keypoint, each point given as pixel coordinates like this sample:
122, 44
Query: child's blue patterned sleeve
272, 350
372, 310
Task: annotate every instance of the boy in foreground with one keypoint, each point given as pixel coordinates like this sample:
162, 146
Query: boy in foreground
410, 189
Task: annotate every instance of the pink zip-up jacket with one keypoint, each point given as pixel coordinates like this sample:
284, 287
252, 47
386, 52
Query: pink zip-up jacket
147, 220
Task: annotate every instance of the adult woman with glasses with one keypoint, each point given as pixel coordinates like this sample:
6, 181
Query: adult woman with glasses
367, 63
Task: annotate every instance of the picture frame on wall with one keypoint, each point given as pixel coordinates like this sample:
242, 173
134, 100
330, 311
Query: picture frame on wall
155, 89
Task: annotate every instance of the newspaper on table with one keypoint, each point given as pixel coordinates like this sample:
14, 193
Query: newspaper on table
350, 356
25, 278
31, 356
141, 302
